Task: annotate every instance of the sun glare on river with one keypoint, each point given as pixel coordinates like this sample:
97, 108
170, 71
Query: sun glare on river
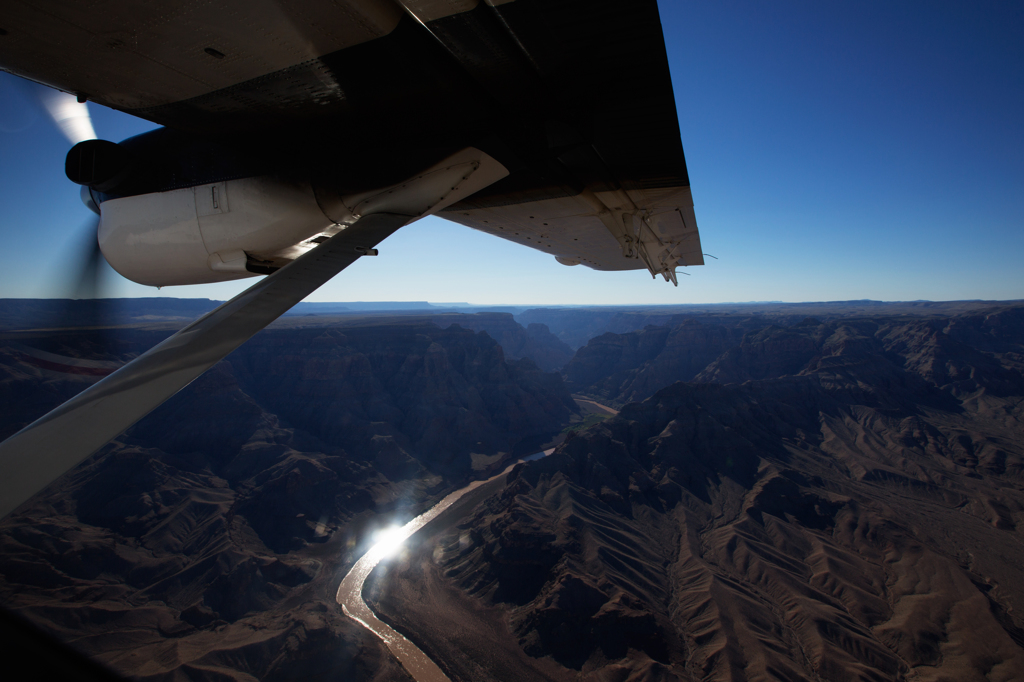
389, 541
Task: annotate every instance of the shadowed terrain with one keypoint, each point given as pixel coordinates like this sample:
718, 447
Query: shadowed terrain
849, 505
576, 326
208, 539
780, 498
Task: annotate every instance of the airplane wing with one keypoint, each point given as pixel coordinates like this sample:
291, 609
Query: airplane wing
621, 230
551, 123
573, 97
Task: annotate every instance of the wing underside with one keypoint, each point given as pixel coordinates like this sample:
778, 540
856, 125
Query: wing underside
574, 97
621, 230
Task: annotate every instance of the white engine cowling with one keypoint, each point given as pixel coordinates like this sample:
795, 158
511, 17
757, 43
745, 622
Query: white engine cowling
241, 228
208, 233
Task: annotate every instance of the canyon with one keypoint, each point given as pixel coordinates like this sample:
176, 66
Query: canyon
837, 501
800, 491
205, 540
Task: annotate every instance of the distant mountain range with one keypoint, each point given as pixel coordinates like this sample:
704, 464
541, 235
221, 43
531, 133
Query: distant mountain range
36, 313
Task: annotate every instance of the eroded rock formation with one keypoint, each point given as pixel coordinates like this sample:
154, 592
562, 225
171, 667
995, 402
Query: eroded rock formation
206, 541
849, 507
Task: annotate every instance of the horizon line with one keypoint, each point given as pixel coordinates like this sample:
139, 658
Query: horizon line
463, 304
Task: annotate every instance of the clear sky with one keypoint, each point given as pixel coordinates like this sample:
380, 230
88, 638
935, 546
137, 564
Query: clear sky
836, 151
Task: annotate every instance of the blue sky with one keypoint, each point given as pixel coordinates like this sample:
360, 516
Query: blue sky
836, 151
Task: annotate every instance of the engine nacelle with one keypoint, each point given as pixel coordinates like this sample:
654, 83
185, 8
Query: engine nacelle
252, 226
211, 233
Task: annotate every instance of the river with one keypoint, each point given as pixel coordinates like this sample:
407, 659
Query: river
350, 592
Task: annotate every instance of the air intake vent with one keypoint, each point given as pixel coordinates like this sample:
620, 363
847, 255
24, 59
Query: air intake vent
98, 164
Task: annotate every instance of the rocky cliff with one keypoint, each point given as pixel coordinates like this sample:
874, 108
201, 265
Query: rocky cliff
576, 326
853, 510
619, 368
534, 341
206, 542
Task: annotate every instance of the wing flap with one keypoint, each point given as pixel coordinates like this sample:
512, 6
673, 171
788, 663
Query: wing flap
653, 229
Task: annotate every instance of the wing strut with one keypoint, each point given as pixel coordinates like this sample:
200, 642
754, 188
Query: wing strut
54, 443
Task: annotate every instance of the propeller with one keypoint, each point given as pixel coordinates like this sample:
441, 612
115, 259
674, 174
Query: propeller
48, 447
80, 276
70, 114
86, 280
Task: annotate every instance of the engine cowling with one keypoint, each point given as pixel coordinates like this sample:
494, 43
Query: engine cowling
251, 226
211, 233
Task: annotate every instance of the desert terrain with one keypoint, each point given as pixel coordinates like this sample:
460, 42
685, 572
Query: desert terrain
823, 501
788, 492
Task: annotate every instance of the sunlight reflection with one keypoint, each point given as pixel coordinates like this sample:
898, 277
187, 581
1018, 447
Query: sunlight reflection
389, 541
70, 115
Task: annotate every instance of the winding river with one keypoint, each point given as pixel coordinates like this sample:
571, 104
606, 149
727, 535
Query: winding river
350, 592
